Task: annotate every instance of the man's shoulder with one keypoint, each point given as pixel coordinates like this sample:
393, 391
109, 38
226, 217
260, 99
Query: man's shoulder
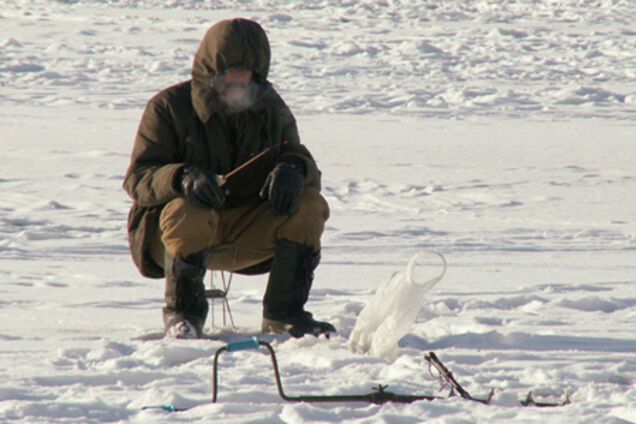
275, 101
271, 96
176, 95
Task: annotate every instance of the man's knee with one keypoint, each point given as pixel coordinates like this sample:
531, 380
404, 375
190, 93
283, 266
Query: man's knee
308, 223
312, 207
186, 228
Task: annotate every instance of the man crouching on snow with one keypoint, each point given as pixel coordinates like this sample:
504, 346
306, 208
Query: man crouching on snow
268, 217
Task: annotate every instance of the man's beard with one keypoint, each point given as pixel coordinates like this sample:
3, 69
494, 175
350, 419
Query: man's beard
237, 97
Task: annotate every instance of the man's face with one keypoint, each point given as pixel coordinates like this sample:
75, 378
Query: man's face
236, 88
237, 76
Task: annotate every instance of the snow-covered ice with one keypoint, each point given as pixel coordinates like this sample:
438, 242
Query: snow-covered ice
500, 134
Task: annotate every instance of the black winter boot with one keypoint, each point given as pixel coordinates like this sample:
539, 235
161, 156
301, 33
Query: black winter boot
186, 305
290, 279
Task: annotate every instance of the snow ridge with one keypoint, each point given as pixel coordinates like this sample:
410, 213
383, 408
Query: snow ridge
404, 58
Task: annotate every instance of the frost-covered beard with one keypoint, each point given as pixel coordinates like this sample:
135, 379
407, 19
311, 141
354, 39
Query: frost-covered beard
237, 97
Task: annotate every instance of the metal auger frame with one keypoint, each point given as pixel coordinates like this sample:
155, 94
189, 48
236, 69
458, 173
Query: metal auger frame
379, 395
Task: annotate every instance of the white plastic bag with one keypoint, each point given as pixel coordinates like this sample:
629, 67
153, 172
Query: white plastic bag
392, 311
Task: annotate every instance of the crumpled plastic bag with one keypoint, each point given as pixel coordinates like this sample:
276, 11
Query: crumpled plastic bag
392, 311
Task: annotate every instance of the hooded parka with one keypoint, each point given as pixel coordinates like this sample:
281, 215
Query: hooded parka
188, 124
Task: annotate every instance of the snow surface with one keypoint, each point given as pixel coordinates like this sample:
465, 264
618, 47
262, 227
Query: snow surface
498, 133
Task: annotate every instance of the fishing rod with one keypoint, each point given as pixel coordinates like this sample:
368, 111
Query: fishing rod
222, 179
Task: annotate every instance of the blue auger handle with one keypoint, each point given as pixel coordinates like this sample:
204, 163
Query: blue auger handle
251, 343
167, 408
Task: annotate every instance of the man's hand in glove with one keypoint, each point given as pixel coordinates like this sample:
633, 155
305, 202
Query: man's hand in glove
200, 187
284, 185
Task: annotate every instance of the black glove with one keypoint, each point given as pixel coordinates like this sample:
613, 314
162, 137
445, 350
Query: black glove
200, 187
284, 185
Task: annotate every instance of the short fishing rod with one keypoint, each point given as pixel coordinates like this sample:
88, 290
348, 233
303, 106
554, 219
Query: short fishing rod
222, 179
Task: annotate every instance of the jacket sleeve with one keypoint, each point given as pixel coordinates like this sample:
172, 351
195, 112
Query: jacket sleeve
294, 147
155, 160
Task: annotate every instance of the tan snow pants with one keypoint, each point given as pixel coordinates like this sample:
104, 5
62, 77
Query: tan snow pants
239, 237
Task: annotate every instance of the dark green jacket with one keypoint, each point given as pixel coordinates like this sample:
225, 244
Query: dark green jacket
187, 124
